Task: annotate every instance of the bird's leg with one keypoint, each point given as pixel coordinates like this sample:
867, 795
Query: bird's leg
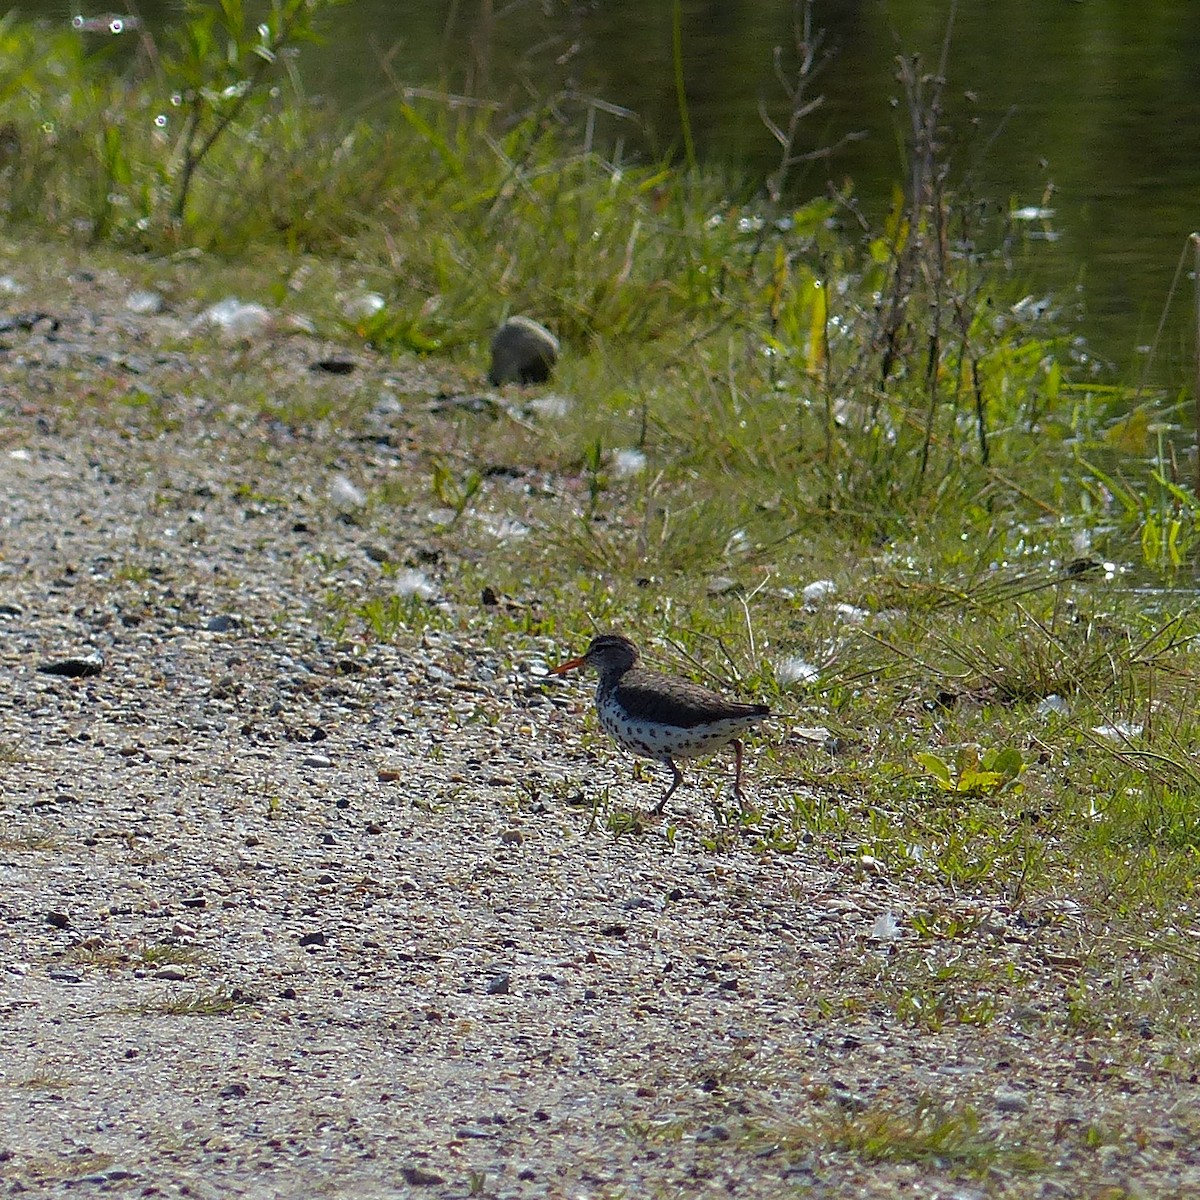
676, 779
737, 773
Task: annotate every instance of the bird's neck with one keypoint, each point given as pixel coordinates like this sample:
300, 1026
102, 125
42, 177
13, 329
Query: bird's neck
609, 679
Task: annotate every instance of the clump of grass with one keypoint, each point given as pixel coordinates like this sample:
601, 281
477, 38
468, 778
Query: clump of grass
193, 1004
931, 1134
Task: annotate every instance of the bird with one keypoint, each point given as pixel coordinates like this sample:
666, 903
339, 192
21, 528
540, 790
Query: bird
659, 716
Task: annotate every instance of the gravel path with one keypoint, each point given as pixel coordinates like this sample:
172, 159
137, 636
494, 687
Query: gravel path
285, 915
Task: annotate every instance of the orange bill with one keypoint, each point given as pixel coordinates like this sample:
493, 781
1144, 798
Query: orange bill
570, 665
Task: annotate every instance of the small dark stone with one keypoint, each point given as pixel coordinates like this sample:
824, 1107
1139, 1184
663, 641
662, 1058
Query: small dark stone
713, 1133
196, 901
619, 931
419, 1177
488, 598
81, 667
221, 624
316, 938
675, 894
498, 986
60, 920
234, 1091
288, 993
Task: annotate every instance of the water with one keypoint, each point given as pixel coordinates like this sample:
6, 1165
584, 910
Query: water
1090, 109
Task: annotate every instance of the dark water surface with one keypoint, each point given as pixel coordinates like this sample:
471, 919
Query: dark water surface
1088, 107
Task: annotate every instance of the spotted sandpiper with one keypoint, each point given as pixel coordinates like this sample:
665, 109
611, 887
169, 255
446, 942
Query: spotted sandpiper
659, 716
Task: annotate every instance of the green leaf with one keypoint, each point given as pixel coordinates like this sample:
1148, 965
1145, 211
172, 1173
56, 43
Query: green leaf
937, 767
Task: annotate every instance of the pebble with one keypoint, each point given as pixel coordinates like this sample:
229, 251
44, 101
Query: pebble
81, 666
1008, 1100
627, 463
363, 306
345, 494
499, 984
171, 972
550, 405
317, 760
234, 319
419, 1177
818, 590
144, 303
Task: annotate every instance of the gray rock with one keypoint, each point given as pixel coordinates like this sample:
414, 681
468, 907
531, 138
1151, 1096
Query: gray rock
1008, 1100
522, 352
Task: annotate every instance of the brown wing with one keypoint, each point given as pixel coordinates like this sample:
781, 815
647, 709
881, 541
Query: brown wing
662, 698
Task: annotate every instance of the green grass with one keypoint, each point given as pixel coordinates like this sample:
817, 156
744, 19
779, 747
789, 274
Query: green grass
948, 1138
191, 1004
